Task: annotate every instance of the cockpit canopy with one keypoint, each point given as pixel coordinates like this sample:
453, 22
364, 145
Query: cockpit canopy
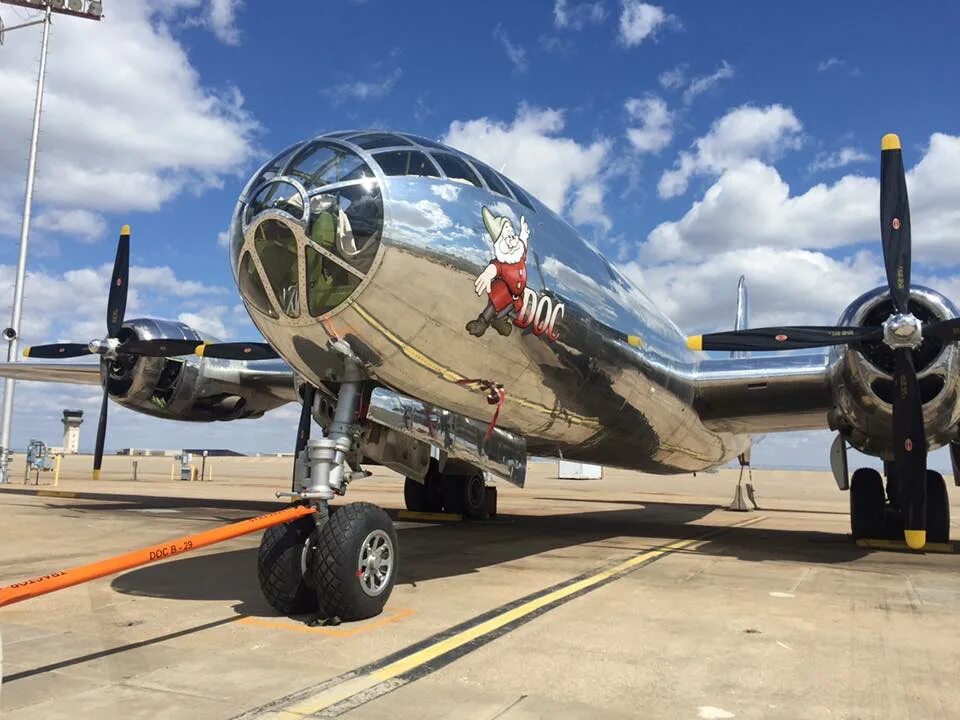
308, 226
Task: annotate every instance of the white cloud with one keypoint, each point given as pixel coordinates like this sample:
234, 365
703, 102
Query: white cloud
515, 53
841, 158
743, 133
129, 135
674, 78
71, 306
750, 205
700, 85
829, 63
836, 64
562, 173
640, 20
81, 225
578, 14
223, 19
655, 128
207, 320
223, 238
364, 90
787, 285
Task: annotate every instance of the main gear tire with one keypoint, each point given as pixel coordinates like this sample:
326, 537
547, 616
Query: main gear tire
938, 509
867, 504
354, 563
280, 567
415, 495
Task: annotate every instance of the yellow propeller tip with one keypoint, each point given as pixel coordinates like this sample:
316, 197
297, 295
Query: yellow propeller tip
96, 474
890, 141
916, 539
199, 349
26, 352
695, 342
125, 230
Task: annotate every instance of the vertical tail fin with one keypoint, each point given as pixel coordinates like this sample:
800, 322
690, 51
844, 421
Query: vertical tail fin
742, 321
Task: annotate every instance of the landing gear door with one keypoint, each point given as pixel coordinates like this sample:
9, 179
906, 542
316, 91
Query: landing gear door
838, 462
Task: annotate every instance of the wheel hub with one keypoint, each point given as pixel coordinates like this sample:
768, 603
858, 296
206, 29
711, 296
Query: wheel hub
375, 563
902, 331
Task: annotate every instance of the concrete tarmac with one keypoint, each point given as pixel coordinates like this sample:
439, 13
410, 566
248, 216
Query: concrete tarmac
630, 596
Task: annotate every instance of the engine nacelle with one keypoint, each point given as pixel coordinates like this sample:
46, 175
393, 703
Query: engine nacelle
184, 388
862, 375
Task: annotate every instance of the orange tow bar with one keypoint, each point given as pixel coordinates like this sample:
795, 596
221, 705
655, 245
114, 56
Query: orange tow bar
44, 584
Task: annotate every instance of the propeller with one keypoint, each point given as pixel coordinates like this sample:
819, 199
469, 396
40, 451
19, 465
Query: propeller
112, 347
236, 351
902, 332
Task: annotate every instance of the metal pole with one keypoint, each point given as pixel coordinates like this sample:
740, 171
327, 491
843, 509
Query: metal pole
13, 333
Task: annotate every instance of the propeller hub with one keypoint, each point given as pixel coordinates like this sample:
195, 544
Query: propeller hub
902, 331
106, 347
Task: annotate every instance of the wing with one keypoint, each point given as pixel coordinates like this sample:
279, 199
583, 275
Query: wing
766, 394
71, 373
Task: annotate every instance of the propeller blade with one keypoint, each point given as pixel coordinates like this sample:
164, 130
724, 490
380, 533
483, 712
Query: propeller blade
910, 449
117, 302
237, 351
946, 330
56, 351
895, 221
783, 338
101, 435
303, 429
158, 348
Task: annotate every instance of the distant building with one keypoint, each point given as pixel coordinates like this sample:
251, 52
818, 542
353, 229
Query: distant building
72, 420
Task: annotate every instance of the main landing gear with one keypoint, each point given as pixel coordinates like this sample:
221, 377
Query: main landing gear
460, 488
341, 562
878, 514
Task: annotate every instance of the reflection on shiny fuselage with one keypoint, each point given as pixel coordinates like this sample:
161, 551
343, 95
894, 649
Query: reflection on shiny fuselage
612, 383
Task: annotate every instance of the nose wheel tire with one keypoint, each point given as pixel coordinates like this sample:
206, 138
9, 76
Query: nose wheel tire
867, 504
938, 509
354, 564
280, 568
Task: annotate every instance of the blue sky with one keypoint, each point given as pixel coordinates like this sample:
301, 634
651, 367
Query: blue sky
698, 141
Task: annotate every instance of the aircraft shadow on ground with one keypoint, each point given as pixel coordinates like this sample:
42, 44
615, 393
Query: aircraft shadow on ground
429, 552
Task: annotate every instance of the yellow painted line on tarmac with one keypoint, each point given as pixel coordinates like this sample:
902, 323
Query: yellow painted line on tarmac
353, 689
428, 516
388, 617
56, 493
879, 544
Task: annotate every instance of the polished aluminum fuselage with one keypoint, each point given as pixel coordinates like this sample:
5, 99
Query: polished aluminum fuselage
613, 384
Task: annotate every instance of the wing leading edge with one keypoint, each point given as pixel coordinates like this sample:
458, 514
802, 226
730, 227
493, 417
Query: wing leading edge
70, 373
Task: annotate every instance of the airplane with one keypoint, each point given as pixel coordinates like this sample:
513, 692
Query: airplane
432, 316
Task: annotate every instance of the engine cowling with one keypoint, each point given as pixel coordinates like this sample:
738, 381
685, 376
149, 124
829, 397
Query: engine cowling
183, 388
862, 375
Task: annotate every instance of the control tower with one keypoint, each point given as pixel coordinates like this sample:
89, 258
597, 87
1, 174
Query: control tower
72, 419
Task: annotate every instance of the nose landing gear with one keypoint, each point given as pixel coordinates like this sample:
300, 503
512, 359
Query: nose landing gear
341, 562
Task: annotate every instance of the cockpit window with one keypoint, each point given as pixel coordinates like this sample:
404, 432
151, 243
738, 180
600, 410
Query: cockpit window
519, 194
273, 168
371, 141
455, 168
493, 180
426, 143
320, 164
341, 133
314, 257
277, 195
277, 248
406, 162
252, 286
